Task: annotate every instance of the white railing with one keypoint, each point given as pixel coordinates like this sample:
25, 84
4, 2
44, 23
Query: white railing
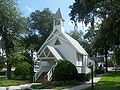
50, 73
41, 70
37, 74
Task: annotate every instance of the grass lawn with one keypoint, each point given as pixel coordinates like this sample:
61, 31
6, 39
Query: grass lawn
110, 81
5, 82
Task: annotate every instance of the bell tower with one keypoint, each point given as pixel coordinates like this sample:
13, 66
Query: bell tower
58, 21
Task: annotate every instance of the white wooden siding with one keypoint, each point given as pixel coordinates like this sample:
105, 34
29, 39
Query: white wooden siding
66, 49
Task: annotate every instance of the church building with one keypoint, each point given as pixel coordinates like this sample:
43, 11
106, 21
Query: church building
60, 46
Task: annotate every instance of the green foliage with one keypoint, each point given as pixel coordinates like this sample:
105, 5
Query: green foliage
4, 82
110, 81
2, 73
2, 62
87, 76
106, 34
117, 57
65, 70
27, 58
83, 10
12, 24
77, 35
81, 77
107, 11
99, 71
23, 69
42, 23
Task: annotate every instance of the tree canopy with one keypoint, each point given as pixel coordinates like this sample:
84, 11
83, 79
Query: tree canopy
12, 24
41, 22
104, 36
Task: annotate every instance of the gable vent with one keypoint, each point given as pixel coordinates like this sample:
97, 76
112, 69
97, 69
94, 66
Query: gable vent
57, 42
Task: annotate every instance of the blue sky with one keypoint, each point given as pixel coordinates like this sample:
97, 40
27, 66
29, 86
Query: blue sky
28, 6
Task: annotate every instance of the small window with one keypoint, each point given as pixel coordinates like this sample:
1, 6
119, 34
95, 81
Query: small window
57, 42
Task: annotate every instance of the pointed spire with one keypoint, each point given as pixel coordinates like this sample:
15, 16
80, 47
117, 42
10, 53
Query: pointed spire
58, 15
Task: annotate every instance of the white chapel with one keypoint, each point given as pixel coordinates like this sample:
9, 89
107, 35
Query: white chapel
60, 46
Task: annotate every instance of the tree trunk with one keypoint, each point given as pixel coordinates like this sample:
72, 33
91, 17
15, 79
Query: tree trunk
9, 66
7, 40
106, 62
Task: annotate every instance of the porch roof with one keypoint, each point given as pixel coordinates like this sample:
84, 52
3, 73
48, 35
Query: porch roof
54, 52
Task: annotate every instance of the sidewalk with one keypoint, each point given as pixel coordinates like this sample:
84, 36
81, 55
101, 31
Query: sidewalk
79, 87
85, 85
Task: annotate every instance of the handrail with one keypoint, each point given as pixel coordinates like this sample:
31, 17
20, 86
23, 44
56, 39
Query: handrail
50, 73
37, 74
41, 70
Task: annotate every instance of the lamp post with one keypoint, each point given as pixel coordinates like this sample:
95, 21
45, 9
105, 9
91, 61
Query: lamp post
90, 65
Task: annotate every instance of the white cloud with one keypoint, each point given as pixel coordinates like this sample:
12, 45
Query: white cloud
29, 9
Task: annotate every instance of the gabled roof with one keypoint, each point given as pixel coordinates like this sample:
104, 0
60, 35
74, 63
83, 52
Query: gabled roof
54, 52
69, 40
75, 43
58, 15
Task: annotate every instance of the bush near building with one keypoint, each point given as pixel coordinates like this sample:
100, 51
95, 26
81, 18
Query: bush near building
23, 70
65, 70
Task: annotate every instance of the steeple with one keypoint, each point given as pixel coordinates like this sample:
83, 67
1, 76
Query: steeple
58, 15
58, 21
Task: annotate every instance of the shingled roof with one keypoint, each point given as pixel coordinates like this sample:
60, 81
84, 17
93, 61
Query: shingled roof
58, 15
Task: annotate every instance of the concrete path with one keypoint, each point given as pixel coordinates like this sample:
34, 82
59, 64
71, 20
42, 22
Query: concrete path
85, 85
79, 87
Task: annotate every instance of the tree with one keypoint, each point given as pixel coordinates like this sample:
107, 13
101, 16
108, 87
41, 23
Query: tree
24, 69
42, 23
12, 24
77, 35
2, 62
107, 11
84, 11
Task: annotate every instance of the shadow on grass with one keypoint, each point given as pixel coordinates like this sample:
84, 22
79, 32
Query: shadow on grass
113, 74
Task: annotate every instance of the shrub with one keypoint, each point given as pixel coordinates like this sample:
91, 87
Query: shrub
87, 76
2, 62
81, 77
23, 69
65, 70
2, 73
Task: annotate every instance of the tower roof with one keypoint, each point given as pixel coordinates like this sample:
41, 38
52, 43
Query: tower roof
58, 15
